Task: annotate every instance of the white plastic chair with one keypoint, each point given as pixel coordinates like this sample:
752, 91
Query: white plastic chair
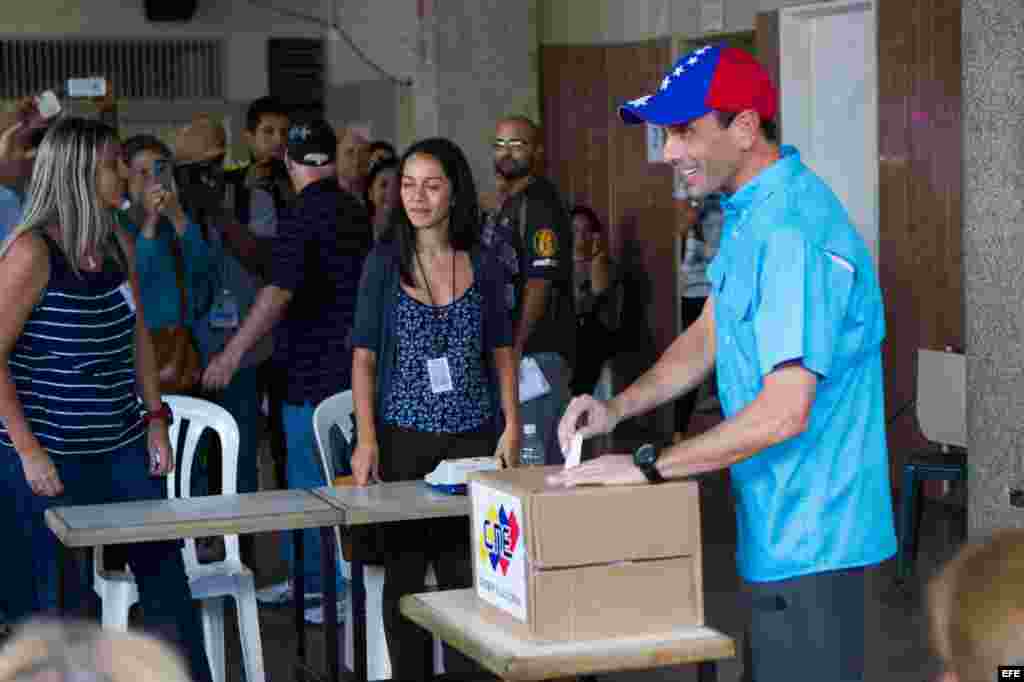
337, 410
210, 582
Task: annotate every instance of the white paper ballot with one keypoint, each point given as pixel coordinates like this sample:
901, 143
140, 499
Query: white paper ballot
532, 383
575, 451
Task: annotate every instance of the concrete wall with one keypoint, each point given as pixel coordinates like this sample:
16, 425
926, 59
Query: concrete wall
487, 68
993, 64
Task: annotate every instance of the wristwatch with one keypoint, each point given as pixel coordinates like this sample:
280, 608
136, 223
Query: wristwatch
646, 458
163, 413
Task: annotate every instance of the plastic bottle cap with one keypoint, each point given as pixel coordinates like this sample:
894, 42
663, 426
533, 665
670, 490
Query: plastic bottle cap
529, 429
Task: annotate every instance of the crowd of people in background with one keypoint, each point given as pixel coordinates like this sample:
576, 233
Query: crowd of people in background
324, 263
328, 262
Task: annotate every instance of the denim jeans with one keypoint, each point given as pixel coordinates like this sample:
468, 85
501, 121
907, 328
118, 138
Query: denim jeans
30, 567
303, 467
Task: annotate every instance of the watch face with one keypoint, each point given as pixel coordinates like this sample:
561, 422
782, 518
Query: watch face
646, 455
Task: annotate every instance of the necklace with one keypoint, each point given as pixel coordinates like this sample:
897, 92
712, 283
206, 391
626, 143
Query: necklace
440, 317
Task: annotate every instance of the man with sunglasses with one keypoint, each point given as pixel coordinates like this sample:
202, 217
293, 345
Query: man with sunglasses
533, 240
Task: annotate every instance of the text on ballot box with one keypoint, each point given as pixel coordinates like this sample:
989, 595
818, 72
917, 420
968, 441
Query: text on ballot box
1010, 672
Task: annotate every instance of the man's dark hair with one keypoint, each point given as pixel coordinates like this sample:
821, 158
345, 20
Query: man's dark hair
377, 145
263, 107
140, 143
770, 129
375, 170
464, 219
594, 223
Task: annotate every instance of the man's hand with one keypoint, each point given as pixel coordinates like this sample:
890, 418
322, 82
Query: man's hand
41, 475
507, 452
605, 470
221, 370
600, 420
366, 463
161, 457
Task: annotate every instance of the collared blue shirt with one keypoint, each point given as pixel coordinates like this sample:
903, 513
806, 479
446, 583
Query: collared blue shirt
10, 211
793, 280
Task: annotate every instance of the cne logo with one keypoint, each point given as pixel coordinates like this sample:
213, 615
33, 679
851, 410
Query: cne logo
501, 537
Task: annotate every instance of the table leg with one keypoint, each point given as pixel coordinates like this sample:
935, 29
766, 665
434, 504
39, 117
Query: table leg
707, 671
62, 558
330, 606
299, 593
358, 597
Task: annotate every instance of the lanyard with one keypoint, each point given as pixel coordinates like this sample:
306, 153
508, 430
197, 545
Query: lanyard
440, 331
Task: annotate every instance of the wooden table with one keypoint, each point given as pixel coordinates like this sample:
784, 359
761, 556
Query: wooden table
174, 519
453, 616
383, 503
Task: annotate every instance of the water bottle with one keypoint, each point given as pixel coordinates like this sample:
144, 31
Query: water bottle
531, 452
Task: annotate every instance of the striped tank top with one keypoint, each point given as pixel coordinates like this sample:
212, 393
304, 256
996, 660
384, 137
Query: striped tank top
73, 366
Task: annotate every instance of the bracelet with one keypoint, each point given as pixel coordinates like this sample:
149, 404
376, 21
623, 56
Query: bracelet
163, 413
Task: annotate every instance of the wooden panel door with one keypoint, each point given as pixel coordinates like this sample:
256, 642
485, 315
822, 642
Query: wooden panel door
920, 221
596, 160
576, 122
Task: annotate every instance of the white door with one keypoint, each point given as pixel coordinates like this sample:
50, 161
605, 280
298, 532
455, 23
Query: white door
829, 107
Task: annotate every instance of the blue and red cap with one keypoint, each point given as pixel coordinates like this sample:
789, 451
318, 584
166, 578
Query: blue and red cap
715, 77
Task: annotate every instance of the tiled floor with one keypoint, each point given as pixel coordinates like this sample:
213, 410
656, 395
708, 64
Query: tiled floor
897, 649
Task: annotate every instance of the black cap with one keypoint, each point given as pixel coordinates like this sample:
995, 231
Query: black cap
312, 143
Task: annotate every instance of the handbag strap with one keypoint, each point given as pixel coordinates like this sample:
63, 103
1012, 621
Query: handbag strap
179, 275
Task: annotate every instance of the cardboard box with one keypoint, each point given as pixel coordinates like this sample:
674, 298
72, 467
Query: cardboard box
585, 563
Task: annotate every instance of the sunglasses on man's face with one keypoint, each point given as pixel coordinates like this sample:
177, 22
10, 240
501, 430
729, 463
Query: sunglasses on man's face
510, 143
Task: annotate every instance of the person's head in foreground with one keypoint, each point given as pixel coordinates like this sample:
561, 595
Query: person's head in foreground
976, 609
718, 106
53, 651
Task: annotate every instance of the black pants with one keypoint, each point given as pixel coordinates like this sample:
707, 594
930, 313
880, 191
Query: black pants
690, 310
409, 546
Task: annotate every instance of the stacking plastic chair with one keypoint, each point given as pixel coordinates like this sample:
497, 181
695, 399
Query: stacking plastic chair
335, 414
210, 582
942, 417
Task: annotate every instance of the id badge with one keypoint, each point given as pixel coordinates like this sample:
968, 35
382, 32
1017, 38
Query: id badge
532, 382
440, 375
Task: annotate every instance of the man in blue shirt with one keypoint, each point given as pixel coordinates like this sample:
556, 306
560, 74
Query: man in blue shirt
793, 328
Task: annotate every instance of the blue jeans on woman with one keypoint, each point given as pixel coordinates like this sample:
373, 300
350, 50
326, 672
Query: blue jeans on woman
304, 471
30, 564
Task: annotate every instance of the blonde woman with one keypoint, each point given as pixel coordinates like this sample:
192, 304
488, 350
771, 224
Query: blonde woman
44, 651
81, 421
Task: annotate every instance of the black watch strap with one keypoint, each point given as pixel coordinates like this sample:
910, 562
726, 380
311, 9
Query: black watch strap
646, 459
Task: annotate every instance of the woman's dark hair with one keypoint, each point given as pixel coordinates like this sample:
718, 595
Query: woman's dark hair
769, 129
264, 106
464, 218
377, 145
145, 142
595, 225
375, 170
